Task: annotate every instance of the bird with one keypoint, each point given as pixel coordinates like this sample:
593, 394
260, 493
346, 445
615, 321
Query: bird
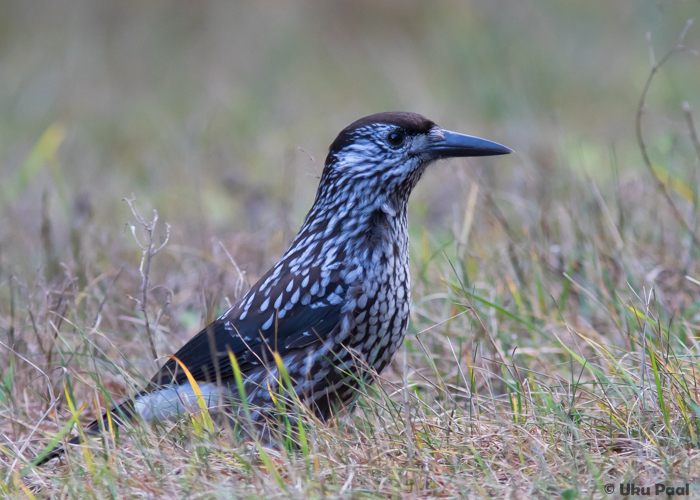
335, 307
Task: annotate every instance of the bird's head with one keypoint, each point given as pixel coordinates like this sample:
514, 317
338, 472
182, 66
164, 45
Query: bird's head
384, 155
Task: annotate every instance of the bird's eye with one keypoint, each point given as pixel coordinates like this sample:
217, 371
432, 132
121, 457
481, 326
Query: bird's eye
395, 139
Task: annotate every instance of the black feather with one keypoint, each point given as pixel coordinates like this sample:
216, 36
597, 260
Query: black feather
300, 326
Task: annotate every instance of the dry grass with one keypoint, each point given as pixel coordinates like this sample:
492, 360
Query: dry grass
553, 345
582, 374
537, 388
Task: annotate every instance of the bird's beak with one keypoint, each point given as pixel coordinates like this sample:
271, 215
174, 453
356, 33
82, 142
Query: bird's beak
456, 145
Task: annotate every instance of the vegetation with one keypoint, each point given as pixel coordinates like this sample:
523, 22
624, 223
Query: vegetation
553, 346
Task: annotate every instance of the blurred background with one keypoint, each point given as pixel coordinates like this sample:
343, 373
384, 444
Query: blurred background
219, 115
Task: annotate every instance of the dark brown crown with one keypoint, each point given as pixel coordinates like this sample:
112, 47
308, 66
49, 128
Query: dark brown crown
410, 123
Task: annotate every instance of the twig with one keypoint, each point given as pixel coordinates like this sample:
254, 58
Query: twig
148, 250
647, 300
687, 112
619, 244
104, 299
407, 410
313, 162
660, 185
468, 219
11, 330
512, 237
159, 316
238, 287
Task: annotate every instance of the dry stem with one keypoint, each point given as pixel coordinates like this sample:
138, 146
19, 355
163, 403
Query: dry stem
660, 185
148, 250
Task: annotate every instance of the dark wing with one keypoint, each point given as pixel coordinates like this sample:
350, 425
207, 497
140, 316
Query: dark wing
279, 314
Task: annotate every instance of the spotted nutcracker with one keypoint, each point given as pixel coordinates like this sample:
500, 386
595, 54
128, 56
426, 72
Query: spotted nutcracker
336, 305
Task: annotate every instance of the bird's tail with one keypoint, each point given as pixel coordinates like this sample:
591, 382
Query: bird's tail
120, 415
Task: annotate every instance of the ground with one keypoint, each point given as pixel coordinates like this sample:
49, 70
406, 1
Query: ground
552, 349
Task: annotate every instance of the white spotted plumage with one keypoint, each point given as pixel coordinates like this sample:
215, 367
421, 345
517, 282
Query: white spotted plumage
337, 303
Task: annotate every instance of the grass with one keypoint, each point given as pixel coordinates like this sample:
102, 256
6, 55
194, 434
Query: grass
552, 348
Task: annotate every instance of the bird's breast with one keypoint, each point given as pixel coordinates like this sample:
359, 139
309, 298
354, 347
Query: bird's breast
383, 296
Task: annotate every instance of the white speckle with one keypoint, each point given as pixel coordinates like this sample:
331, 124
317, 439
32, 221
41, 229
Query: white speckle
268, 323
334, 298
243, 315
314, 288
295, 297
278, 302
263, 306
305, 299
305, 283
362, 301
250, 301
352, 275
290, 285
331, 254
310, 247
